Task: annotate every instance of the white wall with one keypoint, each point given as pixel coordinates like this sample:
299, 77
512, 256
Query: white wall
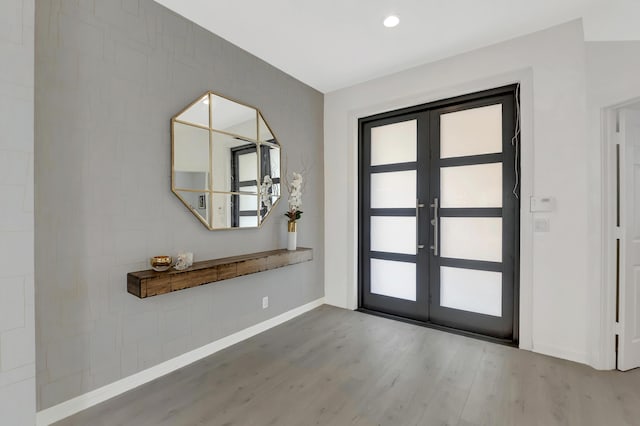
550, 66
17, 336
612, 20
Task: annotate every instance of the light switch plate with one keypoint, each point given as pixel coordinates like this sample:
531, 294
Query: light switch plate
541, 225
543, 204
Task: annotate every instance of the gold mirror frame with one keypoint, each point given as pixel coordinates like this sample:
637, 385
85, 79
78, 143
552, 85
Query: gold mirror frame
207, 134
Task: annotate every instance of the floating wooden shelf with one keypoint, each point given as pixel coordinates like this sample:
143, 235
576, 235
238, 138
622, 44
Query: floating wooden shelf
151, 283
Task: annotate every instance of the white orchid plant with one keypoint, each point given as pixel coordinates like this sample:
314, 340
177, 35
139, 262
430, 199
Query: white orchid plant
265, 192
295, 187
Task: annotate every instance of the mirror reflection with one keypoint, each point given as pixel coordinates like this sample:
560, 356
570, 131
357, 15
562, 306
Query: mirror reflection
225, 163
234, 118
197, 202
191, 157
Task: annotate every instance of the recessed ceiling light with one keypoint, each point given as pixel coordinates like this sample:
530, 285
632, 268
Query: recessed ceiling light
391, 21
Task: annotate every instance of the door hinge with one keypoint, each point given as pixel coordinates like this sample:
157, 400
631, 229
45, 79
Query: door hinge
617, 328
617, 347
618, 233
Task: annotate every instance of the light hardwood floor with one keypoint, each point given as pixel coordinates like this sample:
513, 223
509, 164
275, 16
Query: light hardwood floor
337, 367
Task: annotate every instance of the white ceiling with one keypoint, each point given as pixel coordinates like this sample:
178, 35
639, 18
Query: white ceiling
332, 44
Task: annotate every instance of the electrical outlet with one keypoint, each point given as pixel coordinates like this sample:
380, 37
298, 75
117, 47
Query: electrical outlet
265, 302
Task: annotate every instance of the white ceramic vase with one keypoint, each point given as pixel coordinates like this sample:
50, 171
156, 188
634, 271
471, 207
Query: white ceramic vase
292, 236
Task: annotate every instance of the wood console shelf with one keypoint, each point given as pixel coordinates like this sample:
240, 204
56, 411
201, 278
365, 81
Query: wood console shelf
151, 283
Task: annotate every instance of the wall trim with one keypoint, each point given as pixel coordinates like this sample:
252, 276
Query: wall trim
603, 353
556, 352
65, 409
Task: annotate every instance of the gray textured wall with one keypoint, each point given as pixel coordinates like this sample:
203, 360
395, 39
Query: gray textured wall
17, 350
109, 76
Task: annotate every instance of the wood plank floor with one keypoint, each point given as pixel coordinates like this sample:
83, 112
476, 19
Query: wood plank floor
338, 367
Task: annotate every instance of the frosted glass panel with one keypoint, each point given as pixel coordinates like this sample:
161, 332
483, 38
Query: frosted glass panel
393, 234
248, 202
471, 132
479, 185
248, 165
471, 290
472, 238
394, 279
393, 190
252, 189
248, 221
394, 143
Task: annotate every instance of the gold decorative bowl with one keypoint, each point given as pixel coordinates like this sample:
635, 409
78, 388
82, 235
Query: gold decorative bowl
160, 263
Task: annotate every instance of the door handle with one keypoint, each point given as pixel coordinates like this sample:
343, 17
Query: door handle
418, 206
435, 223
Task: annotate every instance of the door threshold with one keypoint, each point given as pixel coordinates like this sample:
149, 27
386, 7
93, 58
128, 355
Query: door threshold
505, 342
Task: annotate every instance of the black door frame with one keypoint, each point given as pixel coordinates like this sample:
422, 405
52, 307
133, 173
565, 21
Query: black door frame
425, 234
236, 184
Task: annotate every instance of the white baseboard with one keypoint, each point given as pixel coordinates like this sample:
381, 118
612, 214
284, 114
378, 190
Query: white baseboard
82, 402
556, 352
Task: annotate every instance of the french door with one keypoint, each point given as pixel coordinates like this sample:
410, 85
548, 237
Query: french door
438, 229
628, 245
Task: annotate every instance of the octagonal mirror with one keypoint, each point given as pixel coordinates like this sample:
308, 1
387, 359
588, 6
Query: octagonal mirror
225, 163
